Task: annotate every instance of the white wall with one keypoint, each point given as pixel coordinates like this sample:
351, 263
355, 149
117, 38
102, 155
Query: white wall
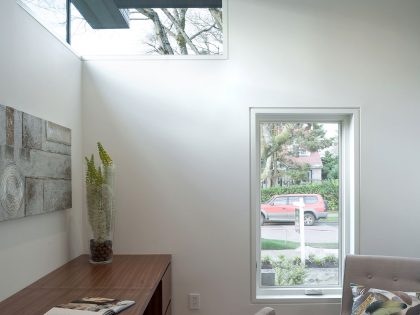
179, 133
40, 76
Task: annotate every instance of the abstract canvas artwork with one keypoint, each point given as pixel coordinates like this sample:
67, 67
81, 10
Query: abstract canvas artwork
35, 165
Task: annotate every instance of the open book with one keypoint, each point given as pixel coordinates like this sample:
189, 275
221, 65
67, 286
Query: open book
91, 306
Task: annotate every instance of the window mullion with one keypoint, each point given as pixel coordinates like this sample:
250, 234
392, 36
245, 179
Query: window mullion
68, 22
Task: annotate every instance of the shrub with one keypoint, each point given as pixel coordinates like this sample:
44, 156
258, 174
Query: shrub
328, 189
329, 261
289, 271
266, 262
315, 261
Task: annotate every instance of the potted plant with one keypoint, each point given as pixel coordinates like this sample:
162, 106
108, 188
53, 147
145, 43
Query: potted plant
266, 263
100, 205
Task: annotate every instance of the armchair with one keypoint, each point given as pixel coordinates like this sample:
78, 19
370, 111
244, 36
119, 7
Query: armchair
383, 272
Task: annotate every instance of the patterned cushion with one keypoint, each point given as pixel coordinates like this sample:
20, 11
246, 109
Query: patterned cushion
370, 301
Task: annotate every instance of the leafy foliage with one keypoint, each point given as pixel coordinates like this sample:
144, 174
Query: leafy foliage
281, 142
91, 174
289, 271
104, 156
330, 166
311, 136
332, 259
299, 173
95, 176
317, 261
100, 194
328, 189
313, 261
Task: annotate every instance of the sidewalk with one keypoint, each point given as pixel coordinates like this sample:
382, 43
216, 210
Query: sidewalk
319, 252
318, 233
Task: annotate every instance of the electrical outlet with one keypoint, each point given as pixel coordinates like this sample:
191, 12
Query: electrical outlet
194, 301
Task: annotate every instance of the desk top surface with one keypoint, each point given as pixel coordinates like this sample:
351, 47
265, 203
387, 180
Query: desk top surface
130, 277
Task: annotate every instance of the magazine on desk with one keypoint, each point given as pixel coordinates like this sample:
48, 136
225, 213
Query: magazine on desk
91, 306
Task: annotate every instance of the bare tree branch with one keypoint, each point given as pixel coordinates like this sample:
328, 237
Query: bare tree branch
181, 30
168, 30
182, 13
176, 14
202, 31
159, 30
217, 16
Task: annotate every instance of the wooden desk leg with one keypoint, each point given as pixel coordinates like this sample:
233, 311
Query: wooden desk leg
155, 305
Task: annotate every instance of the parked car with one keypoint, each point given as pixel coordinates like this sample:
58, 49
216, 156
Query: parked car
281, 208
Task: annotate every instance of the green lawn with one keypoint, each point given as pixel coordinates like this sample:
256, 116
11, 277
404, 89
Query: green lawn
329, 219
281, 244
332, 217
278, 244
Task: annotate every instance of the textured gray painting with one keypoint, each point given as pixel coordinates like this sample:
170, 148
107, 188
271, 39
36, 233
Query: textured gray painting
35, 165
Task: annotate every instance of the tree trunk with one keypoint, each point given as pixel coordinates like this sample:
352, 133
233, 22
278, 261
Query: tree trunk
266, 165
181, 30
180, 14
159, 31
217, 16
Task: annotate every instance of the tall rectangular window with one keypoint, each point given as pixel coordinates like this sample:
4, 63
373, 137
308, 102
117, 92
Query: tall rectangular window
304, 200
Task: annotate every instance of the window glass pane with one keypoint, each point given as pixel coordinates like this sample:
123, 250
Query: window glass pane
153, 32
310, 200
292, 200
284, 171
280, 201
51, 13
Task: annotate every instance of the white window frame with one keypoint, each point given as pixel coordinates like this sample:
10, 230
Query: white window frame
349, 146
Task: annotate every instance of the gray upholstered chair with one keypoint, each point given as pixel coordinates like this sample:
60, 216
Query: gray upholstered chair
266, 311
381, 272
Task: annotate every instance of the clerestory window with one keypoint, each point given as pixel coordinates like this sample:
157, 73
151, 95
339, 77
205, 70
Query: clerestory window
298, 246
176, 28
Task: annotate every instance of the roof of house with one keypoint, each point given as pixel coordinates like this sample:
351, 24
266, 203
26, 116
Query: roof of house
313, 159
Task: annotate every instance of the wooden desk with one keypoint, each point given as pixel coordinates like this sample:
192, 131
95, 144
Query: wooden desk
145, 279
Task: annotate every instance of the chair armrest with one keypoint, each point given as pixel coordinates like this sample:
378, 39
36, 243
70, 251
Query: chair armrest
266, 311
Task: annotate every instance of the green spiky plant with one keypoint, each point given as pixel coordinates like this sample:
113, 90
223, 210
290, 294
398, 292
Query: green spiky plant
100, 195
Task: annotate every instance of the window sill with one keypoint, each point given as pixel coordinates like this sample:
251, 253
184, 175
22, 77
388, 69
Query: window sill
298, 299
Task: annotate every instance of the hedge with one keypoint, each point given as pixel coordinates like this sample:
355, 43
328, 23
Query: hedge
328, 189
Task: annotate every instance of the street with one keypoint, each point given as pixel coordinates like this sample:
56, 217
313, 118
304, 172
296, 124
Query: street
317, 233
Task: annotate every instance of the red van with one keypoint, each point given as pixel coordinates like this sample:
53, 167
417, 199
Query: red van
281, 208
